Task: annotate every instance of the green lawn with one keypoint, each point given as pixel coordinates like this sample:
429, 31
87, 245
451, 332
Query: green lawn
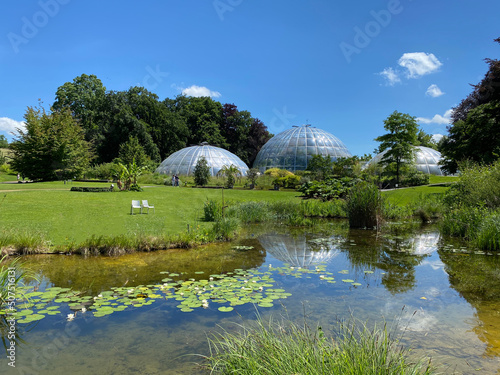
411, 195
63, 216
442, 179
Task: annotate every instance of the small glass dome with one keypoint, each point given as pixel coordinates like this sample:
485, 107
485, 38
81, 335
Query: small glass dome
292, 149
426, 160
183, 162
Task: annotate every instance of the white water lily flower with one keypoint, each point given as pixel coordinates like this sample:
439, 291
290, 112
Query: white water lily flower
130, 290
211, 279
100, 295
70, 317
83, 309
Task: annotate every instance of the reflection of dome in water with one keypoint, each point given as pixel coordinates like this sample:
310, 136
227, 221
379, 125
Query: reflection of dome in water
182, 162
295, 250
292, 149
425, 243
426, 160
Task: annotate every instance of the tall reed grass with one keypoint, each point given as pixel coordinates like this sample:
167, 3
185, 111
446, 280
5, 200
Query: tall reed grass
286, 348
364, 204
488, 235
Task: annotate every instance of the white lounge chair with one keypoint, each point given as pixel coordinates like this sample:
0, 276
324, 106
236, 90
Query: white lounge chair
145, 204
135, 204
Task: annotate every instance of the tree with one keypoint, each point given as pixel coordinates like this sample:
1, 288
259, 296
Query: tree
52, 146
201, 172
426, 140
477, 138
229, 171
475, 132
321, 166
3, 141
132, 151
258, 135
484, 92
85, 97
398, 142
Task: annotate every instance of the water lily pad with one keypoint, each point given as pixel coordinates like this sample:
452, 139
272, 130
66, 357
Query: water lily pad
265, 304
225, 308
347, 280
356, 284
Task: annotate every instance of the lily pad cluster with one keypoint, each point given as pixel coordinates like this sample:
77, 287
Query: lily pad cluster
226, 290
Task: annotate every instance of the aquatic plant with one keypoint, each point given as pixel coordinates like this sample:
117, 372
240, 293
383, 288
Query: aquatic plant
364, 205
284, 347
488, 235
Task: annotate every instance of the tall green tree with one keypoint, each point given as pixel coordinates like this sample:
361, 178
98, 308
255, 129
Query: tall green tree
3, 141
477, 138
475, 132
85, 97
202, 117
201, 172
425, 139
398, 142
52, 146
133, 152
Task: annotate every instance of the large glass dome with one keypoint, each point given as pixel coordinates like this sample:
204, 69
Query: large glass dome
426, 160
182, 162
292, 149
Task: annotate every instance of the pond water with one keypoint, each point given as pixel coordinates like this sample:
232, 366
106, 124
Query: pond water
155, 310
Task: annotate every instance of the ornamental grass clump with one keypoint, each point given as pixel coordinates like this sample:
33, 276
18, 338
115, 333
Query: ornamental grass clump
364, 204
287, 348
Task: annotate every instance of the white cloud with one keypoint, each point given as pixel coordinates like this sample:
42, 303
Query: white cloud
419, 63
434, 91
391, 76
199, 91
10, 126
437, 137
437, 119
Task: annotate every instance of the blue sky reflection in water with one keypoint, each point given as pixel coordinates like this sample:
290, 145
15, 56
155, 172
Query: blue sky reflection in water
433, 290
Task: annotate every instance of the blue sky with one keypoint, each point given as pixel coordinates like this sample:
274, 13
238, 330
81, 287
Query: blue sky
343, 66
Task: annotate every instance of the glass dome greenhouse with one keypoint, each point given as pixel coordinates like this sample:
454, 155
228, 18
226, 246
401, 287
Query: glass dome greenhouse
426, 160
292, 149
183, 162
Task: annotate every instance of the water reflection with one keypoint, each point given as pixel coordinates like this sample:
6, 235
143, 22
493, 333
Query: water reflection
296, 250
95, 274
476, 277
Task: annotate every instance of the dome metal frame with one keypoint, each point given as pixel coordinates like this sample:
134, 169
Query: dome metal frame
183, 162
293, 148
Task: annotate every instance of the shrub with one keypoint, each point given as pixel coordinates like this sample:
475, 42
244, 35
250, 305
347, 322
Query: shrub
287, 348
225, 229
463, 222
364, 205
201, 172
212, 211
332, 188
289, 181
488, 236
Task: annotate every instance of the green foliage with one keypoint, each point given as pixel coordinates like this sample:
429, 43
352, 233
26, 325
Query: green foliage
3, 141
321, 167
290, 181
463, 222
132, 151
329, 189
229, 171
488, 236
104, 171
398, 142
225, 229
212, 211
477, 186
286, 348
52, 147
425, 140
364, 205
201, 172
252, 175
476, 138
127, 176
3, 158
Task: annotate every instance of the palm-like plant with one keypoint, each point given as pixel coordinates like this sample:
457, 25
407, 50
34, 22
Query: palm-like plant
229, 172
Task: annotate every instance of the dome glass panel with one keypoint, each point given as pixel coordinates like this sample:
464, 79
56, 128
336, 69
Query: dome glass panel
183, 162
426, 160
292, 149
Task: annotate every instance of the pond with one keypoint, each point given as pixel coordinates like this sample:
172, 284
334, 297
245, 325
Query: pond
151, 313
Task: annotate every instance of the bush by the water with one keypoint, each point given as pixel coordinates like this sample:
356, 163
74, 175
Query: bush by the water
272, 348
364, 204
332, 188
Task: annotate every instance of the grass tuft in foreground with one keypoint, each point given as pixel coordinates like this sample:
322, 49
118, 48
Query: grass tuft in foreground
286, 348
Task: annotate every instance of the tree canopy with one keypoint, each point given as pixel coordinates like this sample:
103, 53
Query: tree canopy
110, 118
475, 132
52, 147
399, 141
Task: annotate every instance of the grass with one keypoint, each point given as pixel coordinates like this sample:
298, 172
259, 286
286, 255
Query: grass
442, 179
64, 218
412, 195
286, 348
